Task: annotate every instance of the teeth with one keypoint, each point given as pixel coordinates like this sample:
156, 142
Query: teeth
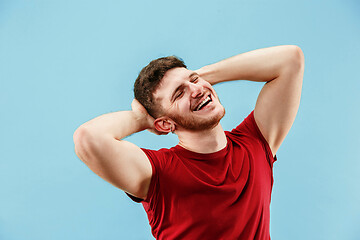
202, 103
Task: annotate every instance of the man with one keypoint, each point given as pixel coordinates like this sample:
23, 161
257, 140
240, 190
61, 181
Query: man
214, 184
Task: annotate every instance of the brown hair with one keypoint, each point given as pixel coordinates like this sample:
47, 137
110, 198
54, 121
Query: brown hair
149, 79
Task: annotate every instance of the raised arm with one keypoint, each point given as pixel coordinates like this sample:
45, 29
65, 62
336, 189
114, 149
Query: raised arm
98, 144
282, 68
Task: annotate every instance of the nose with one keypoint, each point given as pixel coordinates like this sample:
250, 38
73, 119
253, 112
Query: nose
196, 90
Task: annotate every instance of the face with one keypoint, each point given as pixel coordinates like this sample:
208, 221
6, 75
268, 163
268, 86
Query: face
189, 100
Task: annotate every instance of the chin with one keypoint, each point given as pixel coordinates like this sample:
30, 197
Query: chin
196, 124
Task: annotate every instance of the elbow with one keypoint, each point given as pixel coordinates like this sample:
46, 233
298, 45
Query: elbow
80, 143
297, 59
78, 136
293, 61
87, 145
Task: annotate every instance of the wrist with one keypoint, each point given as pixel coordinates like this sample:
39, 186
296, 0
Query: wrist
140, 120
208, 73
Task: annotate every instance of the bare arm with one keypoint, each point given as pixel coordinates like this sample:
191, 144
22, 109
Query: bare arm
98, 144
282, 69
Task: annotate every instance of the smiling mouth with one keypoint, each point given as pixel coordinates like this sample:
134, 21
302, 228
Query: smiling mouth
205, 102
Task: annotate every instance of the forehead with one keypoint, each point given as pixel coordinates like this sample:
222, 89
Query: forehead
175, 75
171, 80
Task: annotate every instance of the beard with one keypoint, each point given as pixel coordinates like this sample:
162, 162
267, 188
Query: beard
195, 124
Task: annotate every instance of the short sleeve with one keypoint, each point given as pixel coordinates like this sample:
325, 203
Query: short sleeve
155, 160
250, 128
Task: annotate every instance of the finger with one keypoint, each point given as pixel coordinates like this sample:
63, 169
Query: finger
135, 103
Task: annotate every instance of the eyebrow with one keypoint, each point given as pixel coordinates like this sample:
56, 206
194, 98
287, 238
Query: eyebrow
181, 86
192, 74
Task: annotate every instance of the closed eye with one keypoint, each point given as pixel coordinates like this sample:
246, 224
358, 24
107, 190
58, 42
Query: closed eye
178, 95
194, 80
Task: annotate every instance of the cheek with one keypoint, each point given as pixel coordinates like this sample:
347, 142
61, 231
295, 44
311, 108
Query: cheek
183, 105
208, 86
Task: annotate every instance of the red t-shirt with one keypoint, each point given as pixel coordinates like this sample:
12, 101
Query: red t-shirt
220, 195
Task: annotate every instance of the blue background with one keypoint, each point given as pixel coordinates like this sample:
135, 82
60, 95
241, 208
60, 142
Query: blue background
65, 62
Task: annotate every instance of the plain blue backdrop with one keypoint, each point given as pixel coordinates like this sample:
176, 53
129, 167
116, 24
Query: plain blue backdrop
65, 62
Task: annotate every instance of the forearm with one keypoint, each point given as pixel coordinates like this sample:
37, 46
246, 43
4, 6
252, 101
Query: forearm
261, 65
116, 125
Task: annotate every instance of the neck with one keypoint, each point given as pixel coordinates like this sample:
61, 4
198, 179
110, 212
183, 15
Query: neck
206, 141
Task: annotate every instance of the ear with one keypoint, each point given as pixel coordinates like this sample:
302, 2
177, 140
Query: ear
164, 125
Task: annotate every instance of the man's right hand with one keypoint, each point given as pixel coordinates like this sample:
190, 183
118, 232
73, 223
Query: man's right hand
144, 117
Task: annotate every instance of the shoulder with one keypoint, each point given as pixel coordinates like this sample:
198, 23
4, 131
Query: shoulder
248, 130
159, 159
246, 127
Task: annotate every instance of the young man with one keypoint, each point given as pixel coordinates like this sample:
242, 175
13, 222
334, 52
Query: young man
214, 184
